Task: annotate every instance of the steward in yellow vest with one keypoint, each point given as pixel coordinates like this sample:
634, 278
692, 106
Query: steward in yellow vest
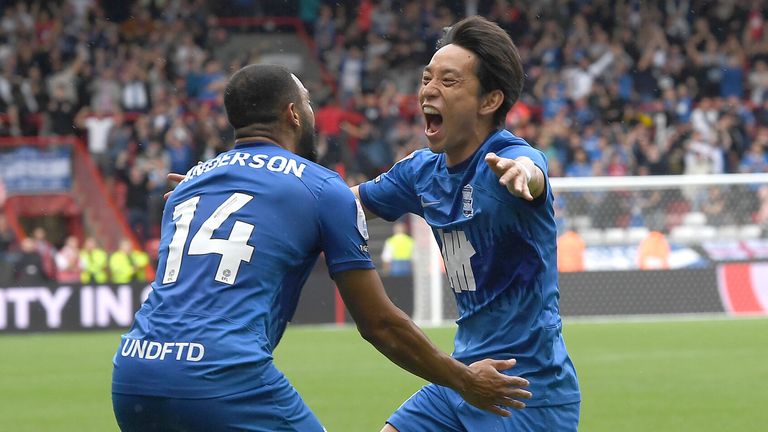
94, 262
127, 265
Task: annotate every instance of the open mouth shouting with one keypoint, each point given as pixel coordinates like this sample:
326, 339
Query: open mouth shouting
433, 119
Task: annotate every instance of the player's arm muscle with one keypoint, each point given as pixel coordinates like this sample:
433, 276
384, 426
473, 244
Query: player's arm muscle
393, 333
368, 214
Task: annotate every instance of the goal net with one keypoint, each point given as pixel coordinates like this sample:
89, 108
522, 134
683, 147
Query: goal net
700, 224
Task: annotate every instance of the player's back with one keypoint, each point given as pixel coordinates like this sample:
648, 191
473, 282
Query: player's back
240, 236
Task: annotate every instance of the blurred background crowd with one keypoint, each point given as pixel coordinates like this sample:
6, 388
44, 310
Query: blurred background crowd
612, 87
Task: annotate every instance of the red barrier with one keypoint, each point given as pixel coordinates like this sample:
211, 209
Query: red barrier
744, 288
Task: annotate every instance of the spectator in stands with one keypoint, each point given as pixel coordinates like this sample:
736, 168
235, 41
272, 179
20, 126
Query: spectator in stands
94, 262
60, 113
651, 207
98, 124
715, 207
128, 265
653, 252
134, 94
119, 138
155, 162
137, 201
46, 251
105, 92
758, 83
68, 268
756, 159
398, 252
29, 267
328, 123
580, 166
178, 141
212, 82
665, 66
7, 237
570, 252
7, 255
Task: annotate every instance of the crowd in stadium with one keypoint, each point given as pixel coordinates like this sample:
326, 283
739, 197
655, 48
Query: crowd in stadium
612, 88
38, 261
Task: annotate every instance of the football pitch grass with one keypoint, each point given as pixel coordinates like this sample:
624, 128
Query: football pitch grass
689, 375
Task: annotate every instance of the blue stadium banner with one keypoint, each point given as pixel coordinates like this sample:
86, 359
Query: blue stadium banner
31, 170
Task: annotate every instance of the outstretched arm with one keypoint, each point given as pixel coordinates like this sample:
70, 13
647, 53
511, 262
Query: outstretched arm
393, 333
520, 176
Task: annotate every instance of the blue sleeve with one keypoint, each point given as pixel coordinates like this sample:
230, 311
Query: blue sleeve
538, 158
392, 194
343, 231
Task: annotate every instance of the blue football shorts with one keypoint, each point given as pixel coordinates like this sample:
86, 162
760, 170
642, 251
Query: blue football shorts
273, 407
437, 408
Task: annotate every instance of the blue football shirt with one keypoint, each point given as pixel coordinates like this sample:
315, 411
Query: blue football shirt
500, 259
240, 236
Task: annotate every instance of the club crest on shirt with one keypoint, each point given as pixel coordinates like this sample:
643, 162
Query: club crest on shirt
466, 201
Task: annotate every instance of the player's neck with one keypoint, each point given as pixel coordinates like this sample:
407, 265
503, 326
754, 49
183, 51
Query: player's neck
263, 139
460, 154
256, 138
260, 133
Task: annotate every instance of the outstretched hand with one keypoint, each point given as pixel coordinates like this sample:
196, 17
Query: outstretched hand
512, 175
174, 178
491, 390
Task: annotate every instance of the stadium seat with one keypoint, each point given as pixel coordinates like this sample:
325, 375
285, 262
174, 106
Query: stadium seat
684, 234
694, 219
615, 236
581, 222
637, 234
749, 232
592, 237
705, 232
728, 232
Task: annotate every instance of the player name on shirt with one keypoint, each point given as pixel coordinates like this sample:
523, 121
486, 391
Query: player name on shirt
280, 164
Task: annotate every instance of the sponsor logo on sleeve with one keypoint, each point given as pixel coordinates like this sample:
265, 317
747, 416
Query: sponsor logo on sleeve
362, 226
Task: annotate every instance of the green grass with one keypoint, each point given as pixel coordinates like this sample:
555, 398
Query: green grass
649, 376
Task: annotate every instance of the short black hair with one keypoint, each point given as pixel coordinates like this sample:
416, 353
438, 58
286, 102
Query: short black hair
257, 93
499, 68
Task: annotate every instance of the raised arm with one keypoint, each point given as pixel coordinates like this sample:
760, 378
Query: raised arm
393, 333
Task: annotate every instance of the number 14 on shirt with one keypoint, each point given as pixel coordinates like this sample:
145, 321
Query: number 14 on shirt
233, 250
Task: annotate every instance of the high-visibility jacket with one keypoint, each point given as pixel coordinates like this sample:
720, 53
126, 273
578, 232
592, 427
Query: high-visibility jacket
126, 268
120, 267
653, 252
94, 264
570, 252
400, 247
140, 261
